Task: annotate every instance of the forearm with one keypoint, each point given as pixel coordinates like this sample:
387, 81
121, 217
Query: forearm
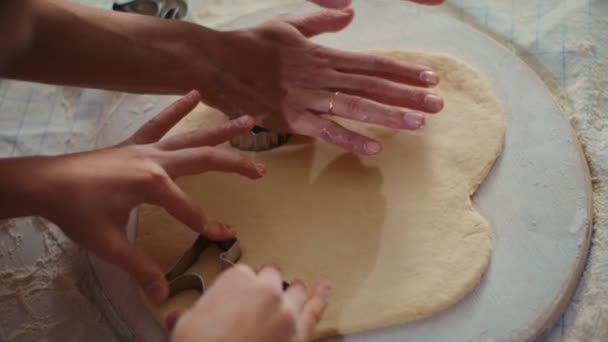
88, 47
18, 188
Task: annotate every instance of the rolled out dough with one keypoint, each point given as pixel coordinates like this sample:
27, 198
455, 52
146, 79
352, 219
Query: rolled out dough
396, 234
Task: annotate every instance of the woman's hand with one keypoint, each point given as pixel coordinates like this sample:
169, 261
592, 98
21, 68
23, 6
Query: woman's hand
244, 306
346, 3
276, 74
273, 71
90, 195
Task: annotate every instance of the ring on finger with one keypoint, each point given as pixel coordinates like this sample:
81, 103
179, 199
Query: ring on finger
332, 101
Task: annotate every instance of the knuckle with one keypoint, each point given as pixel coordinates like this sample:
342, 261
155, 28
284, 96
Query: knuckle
154, 174
420, 97
390, 89
245, 163
318, 50
152, 122
380, 62
353, 104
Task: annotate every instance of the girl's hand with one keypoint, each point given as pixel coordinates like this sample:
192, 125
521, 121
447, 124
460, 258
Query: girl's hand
90, 195
244, 306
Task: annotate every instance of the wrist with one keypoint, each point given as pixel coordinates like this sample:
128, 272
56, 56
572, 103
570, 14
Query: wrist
206, 59
21, 187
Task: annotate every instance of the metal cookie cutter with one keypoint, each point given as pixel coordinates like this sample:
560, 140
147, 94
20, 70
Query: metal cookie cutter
259, 139
180, 279
167, 9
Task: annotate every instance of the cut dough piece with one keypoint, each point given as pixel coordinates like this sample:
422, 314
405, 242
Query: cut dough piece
396, 234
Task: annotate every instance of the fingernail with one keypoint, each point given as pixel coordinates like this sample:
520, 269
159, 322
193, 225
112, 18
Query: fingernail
219, 227
156, 291
433, 103
243, 121
261, 169
191, 95
327, 289
413, 120
228, 228
429, 77
372, 147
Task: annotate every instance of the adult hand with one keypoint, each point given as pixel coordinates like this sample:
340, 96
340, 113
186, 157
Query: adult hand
346, 3
90, 195
275, 73
244, 306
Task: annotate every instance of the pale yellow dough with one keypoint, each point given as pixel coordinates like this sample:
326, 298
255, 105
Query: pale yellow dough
397, 234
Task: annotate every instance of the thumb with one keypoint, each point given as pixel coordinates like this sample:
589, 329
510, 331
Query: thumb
324, 21
333, 3
117, 250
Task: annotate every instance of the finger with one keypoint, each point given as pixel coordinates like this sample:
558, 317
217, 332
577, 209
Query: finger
428, 2
312, 312
272, 276
212, 137
387, 92
324, 21
175, 201
270, 265
158, 126
119, 251
196, 160
380, 66
333, 3
360, 109
333, 133
257, 269
296, 296
172, 319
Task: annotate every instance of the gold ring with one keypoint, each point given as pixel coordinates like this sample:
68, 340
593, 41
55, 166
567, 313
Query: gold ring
331, 102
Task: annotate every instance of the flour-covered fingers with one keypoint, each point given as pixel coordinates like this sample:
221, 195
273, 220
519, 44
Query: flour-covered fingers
209, 137
313, 125
159, 125
196, 160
